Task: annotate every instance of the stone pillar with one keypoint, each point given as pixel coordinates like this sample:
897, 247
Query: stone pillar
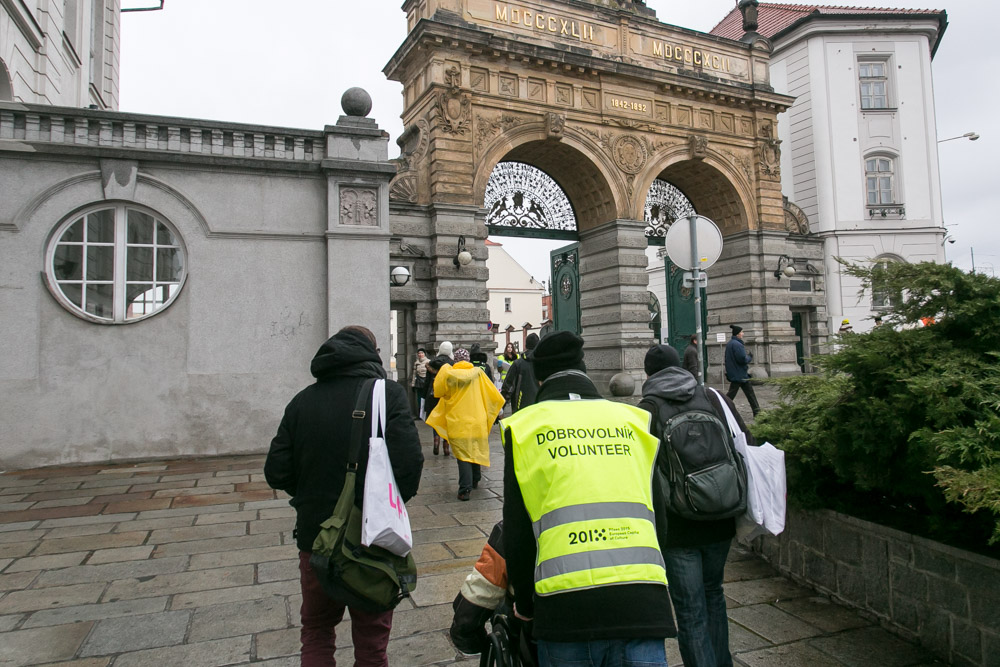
614, 301
358, 175
458, 292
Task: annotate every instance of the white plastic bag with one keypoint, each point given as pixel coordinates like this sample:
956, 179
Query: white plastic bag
384, 521
765, 483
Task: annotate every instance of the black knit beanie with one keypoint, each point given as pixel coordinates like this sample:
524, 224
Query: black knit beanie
736, 329
660, 357
531, 342
559, 351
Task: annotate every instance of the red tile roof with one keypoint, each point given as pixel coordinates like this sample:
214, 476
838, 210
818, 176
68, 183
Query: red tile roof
772, 18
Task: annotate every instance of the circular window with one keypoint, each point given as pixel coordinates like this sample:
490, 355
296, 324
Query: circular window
115, 265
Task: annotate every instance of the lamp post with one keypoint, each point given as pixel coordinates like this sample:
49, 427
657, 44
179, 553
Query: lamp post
971, 136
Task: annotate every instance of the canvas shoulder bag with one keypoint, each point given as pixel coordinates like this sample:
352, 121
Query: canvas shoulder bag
371, 579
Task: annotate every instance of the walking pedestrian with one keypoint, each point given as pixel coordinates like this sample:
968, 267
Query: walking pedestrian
691, 364
694, 551
580, 534
737, 369
308, 460
418, 381
444, 356
520, 387
505, 360
468, 404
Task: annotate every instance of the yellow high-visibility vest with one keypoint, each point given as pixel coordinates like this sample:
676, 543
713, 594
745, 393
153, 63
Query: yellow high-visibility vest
585, 471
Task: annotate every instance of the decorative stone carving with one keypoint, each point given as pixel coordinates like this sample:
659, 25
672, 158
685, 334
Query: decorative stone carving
769, 154
698, 146
524, 197
454, 108
665, 204
744, 163
413, 146
359, 207
486, 128
629, 153
796, 220
555, 125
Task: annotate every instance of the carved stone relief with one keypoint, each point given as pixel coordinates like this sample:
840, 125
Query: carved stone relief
555, 125
629, 153
487, 128
796, 220
359, 206
413, 147
744, 162
454, 107
698, 146
769, 154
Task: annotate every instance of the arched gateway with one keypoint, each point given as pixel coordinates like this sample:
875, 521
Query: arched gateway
605, 99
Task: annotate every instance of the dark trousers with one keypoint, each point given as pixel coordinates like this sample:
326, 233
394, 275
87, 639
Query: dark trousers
320, 616
747, 388
468, 474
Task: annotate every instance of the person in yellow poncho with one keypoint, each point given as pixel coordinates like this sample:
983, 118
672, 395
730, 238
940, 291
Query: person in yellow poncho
469, 403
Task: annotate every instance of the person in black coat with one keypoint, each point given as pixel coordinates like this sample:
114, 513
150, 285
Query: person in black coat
308, 460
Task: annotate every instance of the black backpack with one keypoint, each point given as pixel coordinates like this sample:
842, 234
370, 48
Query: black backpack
702, 475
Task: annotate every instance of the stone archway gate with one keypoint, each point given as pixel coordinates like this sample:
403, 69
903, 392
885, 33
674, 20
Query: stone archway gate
604, 98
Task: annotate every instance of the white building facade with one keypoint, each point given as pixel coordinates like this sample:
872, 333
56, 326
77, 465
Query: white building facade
859, 146
60, 52
515, 298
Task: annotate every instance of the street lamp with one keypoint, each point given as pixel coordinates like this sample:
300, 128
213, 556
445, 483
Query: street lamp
971, 136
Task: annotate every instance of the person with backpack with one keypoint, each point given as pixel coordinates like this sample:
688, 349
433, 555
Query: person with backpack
704, 487
580, 533
308, 459
519, 388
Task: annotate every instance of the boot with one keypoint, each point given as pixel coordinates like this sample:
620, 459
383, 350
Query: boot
447, 449
437, 445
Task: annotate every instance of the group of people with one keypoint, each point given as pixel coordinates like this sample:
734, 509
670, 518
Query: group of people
589, 543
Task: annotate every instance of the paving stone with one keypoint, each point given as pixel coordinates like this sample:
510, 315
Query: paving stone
482, 519
111, 571
799, 654
47, 562
271, 526
239, 618
822, 613
70, 492
17, 549
91, 542
139, 505
445, 534
50, 598
159, 486
120, 555
17, 525
286, 512
278, 570
31, 647
228, 517
438, 589
119, 635
176, 492
186, 511
180, 582
220, 480
19, 536
277, 503
156, 524
242, 556
11, 481
8, 623
123, 497
765, 590
293, 661
234, 594
466, 548
86, 520
447, 567
417, 621
432, 521
424, 649
221, 544
4, 562
192, 533
474, 505
95, 612
773, 624
869, 646
77, 531
742, 640
63, 502
425, 553
286, 643
221, 498
16, 581
86, 662
751, 568
16, 506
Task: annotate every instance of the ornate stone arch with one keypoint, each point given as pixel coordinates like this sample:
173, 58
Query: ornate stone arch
574, 161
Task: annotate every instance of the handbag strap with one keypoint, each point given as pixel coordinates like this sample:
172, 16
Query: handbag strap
358, 422
734, 426
378, 408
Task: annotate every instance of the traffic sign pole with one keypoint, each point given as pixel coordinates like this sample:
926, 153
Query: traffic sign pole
696, 262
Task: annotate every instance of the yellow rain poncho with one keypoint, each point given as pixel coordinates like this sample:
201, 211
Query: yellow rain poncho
469, 404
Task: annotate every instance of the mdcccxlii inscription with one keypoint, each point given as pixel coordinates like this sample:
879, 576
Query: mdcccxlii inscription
509, 14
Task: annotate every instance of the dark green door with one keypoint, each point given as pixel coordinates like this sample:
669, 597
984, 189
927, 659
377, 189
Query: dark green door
681, 323
799, 348
565, 288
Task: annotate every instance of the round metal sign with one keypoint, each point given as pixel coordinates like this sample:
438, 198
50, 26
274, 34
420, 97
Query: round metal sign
678, 242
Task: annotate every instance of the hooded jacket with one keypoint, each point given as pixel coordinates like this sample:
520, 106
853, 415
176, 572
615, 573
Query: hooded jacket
676, 385
468, 405
308, 455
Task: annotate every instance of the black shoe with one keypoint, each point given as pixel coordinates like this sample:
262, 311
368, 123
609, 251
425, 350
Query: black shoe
475, 483
464, 494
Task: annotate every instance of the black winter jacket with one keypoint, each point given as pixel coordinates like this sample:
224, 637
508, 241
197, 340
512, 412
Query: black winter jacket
308, 456
628, 611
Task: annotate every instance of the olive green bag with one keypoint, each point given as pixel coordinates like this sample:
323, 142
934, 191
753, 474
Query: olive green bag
371, 579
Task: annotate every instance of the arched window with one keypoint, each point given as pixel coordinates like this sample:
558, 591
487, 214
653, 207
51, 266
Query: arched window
880, 181
883, 299
115, 264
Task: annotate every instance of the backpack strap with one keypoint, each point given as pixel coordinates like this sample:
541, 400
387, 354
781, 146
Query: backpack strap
358, 422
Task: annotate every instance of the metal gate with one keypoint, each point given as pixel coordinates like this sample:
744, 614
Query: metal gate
565, 288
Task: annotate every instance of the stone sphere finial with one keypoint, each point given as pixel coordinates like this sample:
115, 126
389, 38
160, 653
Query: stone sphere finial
356, 102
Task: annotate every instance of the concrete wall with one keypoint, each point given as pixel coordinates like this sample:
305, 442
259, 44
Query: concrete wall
944, 598
270, 262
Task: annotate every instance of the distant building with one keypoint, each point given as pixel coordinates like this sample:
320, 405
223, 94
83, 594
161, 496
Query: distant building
66, 54
515, 298
859, 146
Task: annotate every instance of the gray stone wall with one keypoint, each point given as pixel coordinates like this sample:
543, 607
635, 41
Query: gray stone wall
944, 598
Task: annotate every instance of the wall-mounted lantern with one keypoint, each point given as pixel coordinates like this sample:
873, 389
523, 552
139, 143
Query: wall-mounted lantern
462, 257
399, 276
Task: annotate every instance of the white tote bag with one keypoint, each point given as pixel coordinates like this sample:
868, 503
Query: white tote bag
765, 483
384, 521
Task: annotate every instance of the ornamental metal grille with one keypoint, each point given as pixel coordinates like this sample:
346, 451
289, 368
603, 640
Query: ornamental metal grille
523, 197
664, 204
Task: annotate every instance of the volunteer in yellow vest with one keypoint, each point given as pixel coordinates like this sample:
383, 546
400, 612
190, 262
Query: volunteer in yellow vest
580, 533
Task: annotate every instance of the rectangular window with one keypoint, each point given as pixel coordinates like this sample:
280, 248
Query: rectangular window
506, 304
878, 181
874, 84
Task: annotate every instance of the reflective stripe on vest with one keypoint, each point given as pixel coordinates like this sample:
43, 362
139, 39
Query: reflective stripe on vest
585, 471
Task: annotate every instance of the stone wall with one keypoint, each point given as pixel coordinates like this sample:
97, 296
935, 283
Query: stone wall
944, 598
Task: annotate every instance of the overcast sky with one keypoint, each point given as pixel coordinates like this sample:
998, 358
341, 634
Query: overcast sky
247, 61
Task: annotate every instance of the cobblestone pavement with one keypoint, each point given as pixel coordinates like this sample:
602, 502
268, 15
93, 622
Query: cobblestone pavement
191, 562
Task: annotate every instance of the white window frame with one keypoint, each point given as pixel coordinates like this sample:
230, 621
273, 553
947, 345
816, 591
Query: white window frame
877, 174
887, 303
885, 79
121, 311
507, 304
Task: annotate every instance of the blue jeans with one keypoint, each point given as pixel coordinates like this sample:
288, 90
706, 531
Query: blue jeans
695, 578
603, 653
